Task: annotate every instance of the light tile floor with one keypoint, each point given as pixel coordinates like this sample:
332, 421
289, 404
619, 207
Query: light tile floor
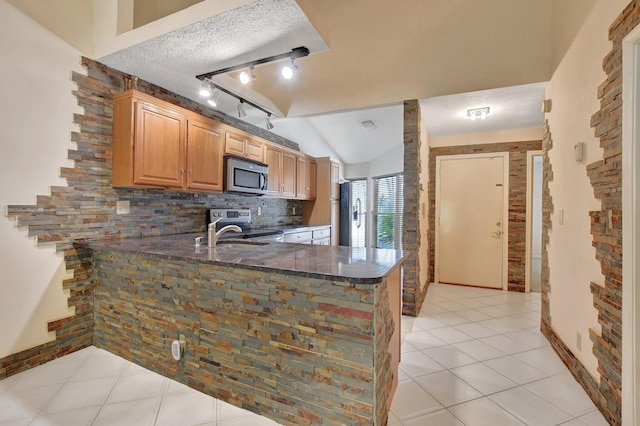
473, 357
476, 357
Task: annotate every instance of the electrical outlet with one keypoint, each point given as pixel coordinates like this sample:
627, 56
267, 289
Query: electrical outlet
259, 211
123, 207
293, 210
579, 341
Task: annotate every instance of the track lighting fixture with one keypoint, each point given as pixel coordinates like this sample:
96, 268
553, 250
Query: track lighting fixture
205, 90
289, 70
241, 111
298, 52
213, 100
476, 113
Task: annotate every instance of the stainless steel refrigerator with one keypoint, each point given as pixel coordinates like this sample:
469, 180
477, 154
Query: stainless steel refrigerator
353, 218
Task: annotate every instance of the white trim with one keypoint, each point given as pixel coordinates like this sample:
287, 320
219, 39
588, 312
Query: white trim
529, 220
505, 209
630, 227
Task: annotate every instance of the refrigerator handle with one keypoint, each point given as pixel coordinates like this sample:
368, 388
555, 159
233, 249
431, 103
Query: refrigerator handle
359, 212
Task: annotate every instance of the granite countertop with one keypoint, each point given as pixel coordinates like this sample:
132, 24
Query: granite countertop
359, 265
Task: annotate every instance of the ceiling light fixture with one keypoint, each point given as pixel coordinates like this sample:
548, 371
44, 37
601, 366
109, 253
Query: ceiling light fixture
268, 122
205, 90
288, 71
368, 124
245, 77
241, 111
476, 113
298, 52
214, 99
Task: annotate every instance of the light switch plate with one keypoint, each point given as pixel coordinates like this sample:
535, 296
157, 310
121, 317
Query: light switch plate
123, 207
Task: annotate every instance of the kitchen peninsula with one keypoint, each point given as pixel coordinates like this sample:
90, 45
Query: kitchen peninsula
302, 334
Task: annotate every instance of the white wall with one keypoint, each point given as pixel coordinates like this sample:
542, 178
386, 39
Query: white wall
534, 134
36, 110
573, 91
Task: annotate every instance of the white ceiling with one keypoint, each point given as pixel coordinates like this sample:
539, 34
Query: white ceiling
336, 31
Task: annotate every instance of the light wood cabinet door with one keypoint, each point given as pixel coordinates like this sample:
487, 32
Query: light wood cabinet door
313, 172
289, 162
274, 161
234, 144
205, 140
302, 187
160, 135
254, 150
241, 145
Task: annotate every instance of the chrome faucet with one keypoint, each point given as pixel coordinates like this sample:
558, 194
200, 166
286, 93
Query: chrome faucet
215, 236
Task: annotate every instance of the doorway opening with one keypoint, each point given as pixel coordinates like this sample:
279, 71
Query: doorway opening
533, 272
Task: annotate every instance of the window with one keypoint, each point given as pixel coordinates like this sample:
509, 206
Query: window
388, 211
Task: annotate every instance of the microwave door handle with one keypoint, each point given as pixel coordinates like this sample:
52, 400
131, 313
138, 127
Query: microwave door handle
262, 181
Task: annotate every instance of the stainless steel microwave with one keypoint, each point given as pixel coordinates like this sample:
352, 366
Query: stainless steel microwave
245, 176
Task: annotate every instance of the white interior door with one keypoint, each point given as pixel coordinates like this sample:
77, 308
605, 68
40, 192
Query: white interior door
470, 222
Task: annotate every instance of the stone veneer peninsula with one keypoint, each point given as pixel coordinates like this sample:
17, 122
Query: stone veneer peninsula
301, 334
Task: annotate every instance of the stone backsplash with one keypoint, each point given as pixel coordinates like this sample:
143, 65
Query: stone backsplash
86, 207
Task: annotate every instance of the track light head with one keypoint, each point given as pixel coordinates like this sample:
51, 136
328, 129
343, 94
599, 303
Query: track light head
214, 99
241, 111
205, 90
289, 70
268, 122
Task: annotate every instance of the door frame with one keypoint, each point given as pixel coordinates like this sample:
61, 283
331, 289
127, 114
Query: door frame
630, 227
505, 209
528, 260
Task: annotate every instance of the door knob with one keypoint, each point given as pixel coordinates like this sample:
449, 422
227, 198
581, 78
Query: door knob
498, 223
498, 233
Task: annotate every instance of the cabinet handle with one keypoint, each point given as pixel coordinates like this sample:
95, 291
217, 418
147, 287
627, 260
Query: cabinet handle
190, 171
181, 169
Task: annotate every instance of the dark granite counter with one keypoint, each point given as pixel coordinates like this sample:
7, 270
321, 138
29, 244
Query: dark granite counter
358, 265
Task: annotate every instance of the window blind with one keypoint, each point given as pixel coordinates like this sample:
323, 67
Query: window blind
389, 210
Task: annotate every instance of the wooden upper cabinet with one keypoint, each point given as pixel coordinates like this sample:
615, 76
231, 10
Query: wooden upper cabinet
205, 140
274, 161
240, 144
160, 145
289, 162
149, 143
302, 186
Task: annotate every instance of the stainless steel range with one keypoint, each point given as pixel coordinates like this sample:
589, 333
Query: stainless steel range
242, 218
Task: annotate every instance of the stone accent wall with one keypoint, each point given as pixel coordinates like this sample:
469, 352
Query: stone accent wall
413, 293
517, 202
86, 207
547, 211
606, 224
299, 350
